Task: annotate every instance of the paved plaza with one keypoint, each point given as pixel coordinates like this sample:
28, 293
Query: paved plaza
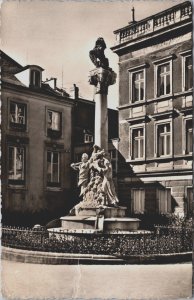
33, 281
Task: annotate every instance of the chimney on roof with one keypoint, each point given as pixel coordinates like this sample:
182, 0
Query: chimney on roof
76, 92
55, 83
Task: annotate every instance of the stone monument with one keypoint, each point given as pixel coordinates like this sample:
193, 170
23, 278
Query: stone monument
99, 209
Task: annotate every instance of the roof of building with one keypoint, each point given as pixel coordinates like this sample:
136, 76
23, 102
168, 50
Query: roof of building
164, 22
10, 67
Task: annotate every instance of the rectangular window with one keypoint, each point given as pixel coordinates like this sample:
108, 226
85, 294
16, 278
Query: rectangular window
137, 86
138, 200
35, 78
137, 143
188, 73
53, 124
17, 113
88, 138
53, 168
189, 136
164, 139
163, 79
164, 201
16, 165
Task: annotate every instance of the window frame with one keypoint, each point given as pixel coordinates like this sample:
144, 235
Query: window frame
156, 125
157, 64
53, 184
88, 141
51, 133
32, 77
132, 71
17, 182
184, 134
166, 204
17, 126
142, 204
184, 55
132, 128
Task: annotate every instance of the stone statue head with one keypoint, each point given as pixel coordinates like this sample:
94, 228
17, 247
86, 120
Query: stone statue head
100, 43
84, 157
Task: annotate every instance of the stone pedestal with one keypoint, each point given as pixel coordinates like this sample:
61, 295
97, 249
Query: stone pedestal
108, 219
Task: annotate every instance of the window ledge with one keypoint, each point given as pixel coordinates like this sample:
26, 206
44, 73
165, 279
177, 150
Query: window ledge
135, 160
17, 187
53, 189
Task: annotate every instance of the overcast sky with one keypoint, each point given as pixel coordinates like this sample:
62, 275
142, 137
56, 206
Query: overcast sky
57, 35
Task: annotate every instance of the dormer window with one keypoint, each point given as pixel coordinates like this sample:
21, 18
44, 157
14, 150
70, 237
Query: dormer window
35, 78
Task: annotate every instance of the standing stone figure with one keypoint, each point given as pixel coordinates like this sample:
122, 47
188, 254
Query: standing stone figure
108, 188
83, 168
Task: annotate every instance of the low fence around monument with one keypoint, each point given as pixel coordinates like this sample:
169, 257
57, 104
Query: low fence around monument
162, 240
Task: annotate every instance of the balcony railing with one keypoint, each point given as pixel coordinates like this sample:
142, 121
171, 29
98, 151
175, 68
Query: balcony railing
154, 23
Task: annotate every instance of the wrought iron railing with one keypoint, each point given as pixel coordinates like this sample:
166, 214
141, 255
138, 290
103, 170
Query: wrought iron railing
160, 241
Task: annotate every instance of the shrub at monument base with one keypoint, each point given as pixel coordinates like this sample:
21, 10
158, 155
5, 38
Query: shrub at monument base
161, 241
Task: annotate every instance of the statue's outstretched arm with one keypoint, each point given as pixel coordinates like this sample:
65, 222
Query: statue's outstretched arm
75, 166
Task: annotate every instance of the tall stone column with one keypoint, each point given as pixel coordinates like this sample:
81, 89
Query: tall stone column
101, 79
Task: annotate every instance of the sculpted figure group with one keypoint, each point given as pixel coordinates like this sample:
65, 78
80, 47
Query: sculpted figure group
95, 179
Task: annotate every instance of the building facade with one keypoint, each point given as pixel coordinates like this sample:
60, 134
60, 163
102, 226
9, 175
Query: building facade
36, 145
155, 112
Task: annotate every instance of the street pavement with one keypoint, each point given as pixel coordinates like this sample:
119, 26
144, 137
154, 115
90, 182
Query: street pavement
34, 281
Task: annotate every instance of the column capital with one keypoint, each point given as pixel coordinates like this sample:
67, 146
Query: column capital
101, 78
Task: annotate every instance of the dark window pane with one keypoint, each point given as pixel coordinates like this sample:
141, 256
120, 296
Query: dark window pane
189, 136
52, 168
161, 86
188, 73
141, 148
168, 84
37, 78
142, 91
49, 156
167, 127
55, 173
135, 149
161, 145
49, 172
55, 157
167, 145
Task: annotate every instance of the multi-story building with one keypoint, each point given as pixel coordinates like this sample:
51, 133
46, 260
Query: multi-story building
36, 145
155, 112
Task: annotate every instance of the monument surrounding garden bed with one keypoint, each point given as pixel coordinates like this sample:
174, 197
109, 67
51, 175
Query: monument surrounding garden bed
163, 240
